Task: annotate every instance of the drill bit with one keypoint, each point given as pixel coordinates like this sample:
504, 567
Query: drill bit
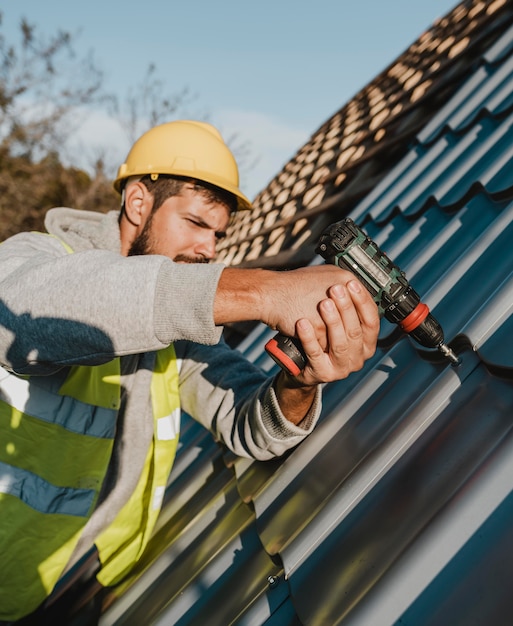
449, 354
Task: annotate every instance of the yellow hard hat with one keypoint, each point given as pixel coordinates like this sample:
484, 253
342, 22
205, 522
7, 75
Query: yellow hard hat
184, 148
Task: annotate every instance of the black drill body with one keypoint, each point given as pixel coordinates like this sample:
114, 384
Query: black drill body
344, 244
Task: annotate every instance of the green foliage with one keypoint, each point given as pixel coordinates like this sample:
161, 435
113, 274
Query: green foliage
41, 84
28, 189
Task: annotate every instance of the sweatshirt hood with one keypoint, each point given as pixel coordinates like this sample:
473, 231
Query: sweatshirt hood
85, 230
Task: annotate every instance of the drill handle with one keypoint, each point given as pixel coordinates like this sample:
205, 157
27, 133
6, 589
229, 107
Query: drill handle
287, 352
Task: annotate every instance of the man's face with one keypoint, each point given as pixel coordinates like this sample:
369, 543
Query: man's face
185, 228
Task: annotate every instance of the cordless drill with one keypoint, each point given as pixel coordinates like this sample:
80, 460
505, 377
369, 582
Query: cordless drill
344, 244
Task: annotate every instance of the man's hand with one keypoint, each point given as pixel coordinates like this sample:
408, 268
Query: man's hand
326, 307
351, 328
351, 320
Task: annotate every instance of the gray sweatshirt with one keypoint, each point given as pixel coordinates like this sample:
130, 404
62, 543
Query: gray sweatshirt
59, 309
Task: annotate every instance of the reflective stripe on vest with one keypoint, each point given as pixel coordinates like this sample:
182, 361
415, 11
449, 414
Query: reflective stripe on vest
42, 495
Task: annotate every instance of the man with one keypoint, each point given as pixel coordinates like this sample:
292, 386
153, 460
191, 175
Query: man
109, 324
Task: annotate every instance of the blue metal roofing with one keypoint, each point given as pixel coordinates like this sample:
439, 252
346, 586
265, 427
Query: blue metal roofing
398, 509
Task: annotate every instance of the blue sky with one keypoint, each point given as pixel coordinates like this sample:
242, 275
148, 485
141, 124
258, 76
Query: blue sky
271, 71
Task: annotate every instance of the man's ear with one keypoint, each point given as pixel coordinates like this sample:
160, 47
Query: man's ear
138, 204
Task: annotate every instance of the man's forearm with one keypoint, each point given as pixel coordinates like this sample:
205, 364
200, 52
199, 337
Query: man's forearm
294, 399
276, 298
240, 295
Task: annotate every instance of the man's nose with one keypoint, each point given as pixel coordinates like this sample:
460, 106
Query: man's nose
207, 246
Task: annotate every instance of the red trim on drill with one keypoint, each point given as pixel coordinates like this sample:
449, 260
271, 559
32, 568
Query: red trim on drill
416, 317
281, 358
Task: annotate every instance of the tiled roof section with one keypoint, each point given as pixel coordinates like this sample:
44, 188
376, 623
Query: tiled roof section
398, 509
352, 151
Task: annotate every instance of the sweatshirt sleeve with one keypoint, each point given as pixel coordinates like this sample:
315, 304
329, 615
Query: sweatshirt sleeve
237, 402
59, 309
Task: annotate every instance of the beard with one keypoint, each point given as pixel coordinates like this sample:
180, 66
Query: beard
183, 258
142, 244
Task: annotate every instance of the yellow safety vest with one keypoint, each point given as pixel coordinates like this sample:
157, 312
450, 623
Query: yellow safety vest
54, 456
56, 439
